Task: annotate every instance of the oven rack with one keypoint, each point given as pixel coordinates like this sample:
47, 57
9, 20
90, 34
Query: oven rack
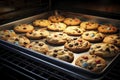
34, 70
31, 68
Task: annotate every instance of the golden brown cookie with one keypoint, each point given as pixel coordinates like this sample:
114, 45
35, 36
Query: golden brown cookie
113, 39
42, 23
108, 29
6, 34
104, 50
57, 38
73, 31
61, 54
91, 62
19, 40
37, 34
57, 26
72, 21
56, 18
38, 46
93, 36
22, 28
89, 25
77, 45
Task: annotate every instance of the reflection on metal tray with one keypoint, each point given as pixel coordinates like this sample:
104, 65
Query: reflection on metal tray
69, 68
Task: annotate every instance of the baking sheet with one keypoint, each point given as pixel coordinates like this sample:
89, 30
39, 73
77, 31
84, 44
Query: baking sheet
82, 17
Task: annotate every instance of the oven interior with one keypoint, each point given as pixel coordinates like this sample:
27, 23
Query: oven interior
16, 66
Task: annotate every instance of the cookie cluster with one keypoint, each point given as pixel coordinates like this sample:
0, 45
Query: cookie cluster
85, 44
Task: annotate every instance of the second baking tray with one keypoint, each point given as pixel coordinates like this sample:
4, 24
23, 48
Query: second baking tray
68, 68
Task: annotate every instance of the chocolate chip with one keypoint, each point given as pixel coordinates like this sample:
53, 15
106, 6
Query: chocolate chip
115, 41
36, 42
41, 33
90, 67
101, 37
98, 46
54, 55
25, 43
107, 49
55, 50
16, 39
24, 28
81, 60
112, 47
7, 35
30, 33
61, 34
41, 44
74, 38
76, 44
20, 36
79, 31
87, 34
70, 45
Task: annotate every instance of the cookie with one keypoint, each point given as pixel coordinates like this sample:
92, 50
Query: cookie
22, 28
38, 46
19, 40
113, 39
56, 18
57, 38
92, 63
72, 21
107, 29
89, 25
77, 45
37, 34
73, 31
42, 23
93, 36
104, 50
57, 26
61, 54
6, 34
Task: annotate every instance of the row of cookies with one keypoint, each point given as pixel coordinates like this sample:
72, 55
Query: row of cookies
67, 54
61, 39
87, 25
87, 61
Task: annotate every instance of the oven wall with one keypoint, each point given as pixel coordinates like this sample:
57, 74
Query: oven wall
103, 8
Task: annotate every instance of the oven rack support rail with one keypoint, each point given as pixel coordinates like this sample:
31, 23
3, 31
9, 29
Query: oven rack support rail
34, 70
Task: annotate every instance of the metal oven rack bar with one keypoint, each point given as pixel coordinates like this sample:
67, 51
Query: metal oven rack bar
34, 70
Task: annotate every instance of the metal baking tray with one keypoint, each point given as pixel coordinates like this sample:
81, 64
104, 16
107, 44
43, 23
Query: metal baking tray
68, 68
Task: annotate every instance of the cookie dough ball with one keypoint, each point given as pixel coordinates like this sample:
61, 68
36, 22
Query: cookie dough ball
77, 45
72, 21
38, 46
93, 36
42, 23
89, 25
23, 28
91, 62
56, 18
104, 50
62, 54
107, 29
